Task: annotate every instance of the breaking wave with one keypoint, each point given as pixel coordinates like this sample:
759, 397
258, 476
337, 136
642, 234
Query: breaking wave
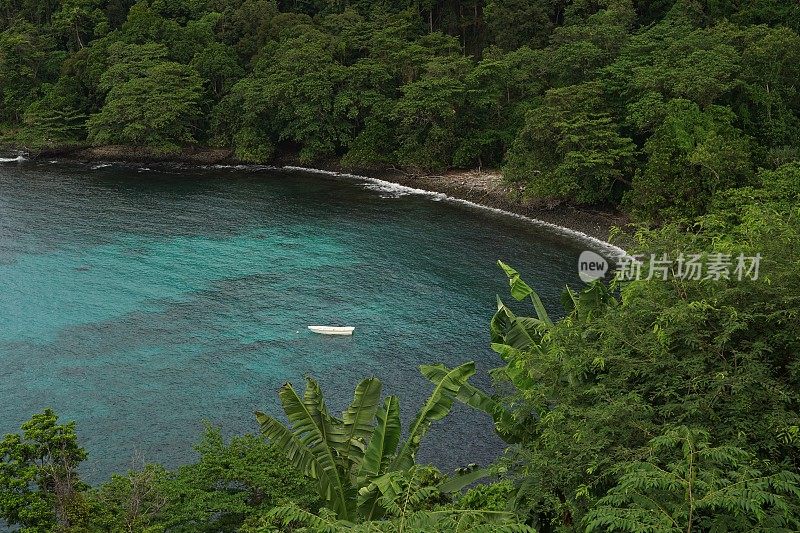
401, 190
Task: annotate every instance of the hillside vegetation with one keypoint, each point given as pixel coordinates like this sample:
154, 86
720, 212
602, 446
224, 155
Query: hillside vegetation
654, 105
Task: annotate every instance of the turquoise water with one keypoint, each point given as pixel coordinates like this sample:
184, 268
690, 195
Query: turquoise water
141, 302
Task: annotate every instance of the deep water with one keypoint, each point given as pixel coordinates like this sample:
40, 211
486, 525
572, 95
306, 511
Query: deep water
142, 302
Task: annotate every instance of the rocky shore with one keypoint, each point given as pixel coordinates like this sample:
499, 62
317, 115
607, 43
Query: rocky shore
488, 188
484, 187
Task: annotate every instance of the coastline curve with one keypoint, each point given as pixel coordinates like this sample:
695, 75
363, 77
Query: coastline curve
598, 244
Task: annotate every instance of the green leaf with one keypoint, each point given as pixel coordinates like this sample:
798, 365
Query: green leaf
468, 393
471, 395
310, 429
384, 440
519, 332
456, 483
521, 290
437, 407
516, 369
358, 422
299, 455
315, 405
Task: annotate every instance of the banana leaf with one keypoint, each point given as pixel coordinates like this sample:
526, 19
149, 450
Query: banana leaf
436, 407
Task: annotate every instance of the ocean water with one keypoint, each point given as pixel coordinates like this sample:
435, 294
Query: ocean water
141, 303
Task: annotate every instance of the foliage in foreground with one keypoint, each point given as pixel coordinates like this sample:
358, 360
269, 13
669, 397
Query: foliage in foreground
415, 506
357, 459
365, 472
40, 489
687, 485
634, 361
249, 484
39, 485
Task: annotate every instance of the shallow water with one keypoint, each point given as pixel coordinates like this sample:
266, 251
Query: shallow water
141, 302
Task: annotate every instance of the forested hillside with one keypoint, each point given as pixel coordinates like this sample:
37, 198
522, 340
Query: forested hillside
652, 104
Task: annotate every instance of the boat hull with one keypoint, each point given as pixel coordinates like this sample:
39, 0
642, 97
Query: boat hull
332, 330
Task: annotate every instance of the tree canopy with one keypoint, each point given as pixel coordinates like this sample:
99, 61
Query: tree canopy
655, 107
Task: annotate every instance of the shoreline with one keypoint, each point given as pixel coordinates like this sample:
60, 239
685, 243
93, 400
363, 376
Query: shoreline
445, 193
476, 188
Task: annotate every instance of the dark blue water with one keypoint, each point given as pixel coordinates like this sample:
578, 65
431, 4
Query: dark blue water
140, 303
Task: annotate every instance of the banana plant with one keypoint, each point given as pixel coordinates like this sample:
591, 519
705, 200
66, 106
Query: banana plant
353, 457
515, 337
472, 396
522, 333
521, 341
521, 290
512, 337
519, 333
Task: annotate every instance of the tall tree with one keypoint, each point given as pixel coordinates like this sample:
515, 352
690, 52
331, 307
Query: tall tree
150, 102
693, 154
570, 149
39, 486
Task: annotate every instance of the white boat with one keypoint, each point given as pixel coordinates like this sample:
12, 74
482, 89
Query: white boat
332, 330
